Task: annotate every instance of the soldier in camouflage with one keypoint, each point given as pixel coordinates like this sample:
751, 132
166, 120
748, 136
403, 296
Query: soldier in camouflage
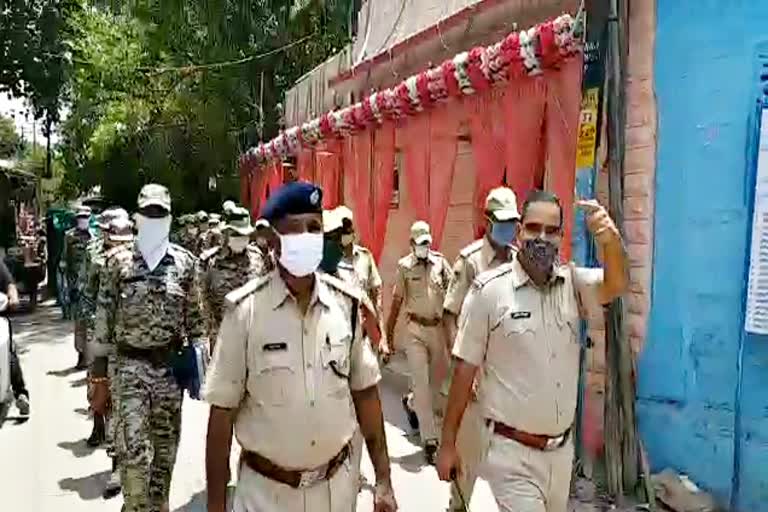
227, 268
197, 229
147, 308
118, 233
260, 243
212, 236
75, 248
92, 264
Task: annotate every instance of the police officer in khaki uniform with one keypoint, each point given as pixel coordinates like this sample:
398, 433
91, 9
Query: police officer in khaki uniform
358, 259
487, 253
291, 373
421, 282
521, 325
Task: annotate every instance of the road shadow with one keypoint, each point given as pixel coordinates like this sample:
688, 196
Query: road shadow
82, 411
79, 448
412, 463
199, 501
88, 487
63, 373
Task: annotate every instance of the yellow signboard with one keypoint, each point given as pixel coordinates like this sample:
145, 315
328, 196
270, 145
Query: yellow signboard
586, 146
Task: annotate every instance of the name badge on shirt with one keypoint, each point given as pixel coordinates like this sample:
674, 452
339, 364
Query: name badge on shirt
520, 315
274, 347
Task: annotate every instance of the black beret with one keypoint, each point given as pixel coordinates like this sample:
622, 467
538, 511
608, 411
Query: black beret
293, 198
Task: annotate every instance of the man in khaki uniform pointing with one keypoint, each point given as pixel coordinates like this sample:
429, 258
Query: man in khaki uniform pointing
494, 249
520, 325
293, 375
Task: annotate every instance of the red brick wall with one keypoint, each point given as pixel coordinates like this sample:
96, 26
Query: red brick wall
639, 186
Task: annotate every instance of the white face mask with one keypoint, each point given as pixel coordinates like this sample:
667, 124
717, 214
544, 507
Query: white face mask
421, 251
152, 238
82, 223
238, 244
302, 253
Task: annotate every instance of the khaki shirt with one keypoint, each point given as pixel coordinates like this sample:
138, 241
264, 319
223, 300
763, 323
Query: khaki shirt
473, 260
526, 342
423, 284
364, 269
277, 369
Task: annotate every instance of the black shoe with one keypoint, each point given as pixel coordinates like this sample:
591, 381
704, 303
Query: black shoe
430, 452
80, 362
98, 435
413, 420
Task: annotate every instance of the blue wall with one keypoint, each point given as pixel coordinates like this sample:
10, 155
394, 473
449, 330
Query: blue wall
690, 417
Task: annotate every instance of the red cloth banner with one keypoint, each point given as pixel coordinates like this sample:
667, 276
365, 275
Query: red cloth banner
415, 142
523, 106
328, 173
383, 185
357, 168
488, 147
305, 163
562, 119
266, 179
443, 144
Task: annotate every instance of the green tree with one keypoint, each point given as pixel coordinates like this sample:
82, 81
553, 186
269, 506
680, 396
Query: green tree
9, 139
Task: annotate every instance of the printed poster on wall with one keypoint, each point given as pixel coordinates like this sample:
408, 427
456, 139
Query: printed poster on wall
756, 319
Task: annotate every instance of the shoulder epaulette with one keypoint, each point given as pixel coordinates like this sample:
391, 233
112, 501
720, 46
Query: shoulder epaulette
471, 248
114, 250
207, 254
488, 276
238, 295
341, 285
181, 250
406, 261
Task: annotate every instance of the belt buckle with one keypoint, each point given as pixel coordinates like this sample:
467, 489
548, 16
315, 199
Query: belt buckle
310, 478
553, 443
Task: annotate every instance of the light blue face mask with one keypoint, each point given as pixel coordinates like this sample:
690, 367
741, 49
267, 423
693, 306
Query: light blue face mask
503, 234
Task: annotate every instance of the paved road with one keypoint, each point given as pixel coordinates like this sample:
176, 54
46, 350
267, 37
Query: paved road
46, 465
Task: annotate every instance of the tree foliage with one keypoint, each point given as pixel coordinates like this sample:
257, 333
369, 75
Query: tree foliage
171, 90
34, 55
9, 139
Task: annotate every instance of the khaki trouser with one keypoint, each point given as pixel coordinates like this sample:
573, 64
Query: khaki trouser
524, 479
471, 443
425, 351
256, 493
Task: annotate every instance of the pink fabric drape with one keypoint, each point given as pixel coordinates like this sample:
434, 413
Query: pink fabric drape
305, 163
328, 173
266, 179
415, 141
523, 106
383, 185
357, 168
488, 147
562, 121
443, 145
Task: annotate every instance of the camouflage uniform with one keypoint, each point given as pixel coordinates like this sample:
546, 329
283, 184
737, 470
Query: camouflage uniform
144, 314
75, 252
222, 271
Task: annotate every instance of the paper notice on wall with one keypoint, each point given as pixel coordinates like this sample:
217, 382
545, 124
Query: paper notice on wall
756, 320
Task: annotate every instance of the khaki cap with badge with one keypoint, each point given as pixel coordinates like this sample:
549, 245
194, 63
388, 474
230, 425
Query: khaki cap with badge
154, 195
421, 233
502, 204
